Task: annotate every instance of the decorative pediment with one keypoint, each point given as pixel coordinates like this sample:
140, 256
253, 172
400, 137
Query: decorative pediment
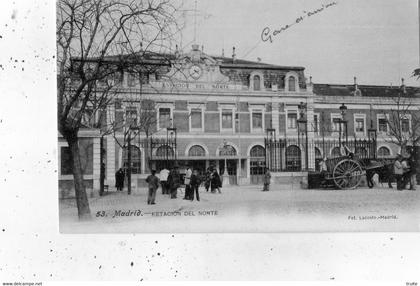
196, 66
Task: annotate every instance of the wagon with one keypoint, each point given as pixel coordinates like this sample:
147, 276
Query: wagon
346, 172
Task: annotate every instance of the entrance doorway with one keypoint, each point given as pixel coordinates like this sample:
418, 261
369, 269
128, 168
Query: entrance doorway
231, 169
257, 165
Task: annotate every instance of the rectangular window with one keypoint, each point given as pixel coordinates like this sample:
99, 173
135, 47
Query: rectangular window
131, 79
88, 117
164, 117
316, 123
196, 119
292, 120
227, 119
336, 124
359, 125
382, 125
405, 125
257, 120
66, 163
131, 116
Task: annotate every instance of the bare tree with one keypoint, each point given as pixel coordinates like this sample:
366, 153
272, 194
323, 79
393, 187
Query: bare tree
89, 33
403, 121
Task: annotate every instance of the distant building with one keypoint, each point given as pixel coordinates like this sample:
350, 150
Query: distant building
221, 109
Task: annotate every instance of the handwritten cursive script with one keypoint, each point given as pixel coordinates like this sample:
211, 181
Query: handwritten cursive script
267, 34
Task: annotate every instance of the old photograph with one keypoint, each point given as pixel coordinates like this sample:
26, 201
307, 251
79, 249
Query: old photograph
238, 116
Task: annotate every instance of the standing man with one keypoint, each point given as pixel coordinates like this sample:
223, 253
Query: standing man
119, 179
153, 182
267, 180
163, 176
174, 181
398, 171
195, 184
413, 169
187, 182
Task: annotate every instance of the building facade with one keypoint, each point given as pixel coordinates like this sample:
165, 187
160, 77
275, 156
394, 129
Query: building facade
218, 111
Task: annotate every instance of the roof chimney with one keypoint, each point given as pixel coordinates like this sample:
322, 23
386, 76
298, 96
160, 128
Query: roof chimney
233, 55
223, 52
202, 48
310, 79
403, 85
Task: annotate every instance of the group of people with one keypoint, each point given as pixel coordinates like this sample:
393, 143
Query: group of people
405, 172
212, 180
170, 182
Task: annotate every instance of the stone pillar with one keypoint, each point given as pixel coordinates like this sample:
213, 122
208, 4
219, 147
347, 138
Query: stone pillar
275, 118
96, 163
110, 161
311, 134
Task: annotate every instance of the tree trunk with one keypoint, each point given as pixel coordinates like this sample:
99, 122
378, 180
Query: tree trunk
102, 168
82, 202
129, 165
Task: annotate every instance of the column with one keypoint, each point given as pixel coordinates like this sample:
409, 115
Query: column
110, 161
275, 117
311, 134
96, 163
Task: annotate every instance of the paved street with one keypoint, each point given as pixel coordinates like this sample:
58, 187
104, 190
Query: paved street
247, 209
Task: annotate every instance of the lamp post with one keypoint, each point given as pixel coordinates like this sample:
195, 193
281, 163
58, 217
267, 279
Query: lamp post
225, 152
372, 135
269, 141
343, 111
303, 129
170, 142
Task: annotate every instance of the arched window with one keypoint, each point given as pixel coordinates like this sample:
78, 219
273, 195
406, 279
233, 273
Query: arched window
318, 154
292, 83
135, 159
257, 81
257, 151
229, 150
361, 152
384, 152
196, 151
165, 151
335, 152
293, 158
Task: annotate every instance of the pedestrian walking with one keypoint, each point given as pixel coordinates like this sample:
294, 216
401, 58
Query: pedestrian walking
398, 171
163, 176
216, 183
195, 185
207, 179
119, 179
174, 182
153, 182
187, 183
267, 180
406, 173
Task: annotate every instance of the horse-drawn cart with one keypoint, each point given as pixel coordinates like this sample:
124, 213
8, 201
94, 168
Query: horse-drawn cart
346, 172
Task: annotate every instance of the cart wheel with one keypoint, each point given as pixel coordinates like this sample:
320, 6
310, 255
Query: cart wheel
347, 174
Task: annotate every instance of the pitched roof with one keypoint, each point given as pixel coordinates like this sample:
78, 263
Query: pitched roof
366, 90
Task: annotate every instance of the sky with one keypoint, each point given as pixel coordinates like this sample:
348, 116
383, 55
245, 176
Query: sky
375, 40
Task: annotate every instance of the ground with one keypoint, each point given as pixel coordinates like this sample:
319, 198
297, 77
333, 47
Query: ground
248, 209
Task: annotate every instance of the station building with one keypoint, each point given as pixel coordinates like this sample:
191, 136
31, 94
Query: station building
217, 111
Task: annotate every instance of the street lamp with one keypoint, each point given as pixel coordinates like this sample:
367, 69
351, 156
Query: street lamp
170, 142
225, 151
303, 129
271, 134
343, 111
270, 146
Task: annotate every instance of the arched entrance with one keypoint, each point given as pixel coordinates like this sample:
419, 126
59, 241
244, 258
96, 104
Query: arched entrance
195, 153
257, 164
293, 159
